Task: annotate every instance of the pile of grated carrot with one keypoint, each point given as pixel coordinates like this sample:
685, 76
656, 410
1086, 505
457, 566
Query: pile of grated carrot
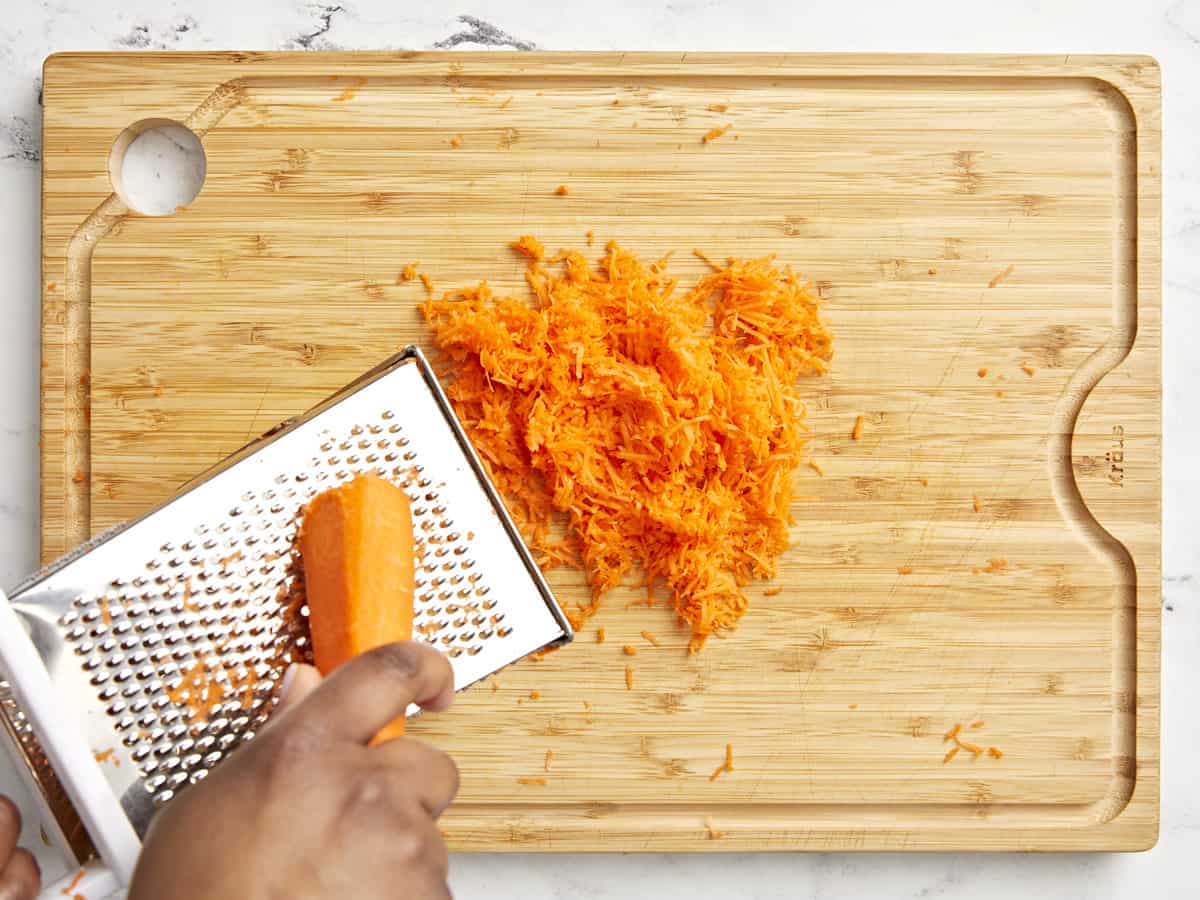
664, 426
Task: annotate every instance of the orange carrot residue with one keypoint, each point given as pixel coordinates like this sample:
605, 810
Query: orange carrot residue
562, 190
427, 282
549, 759
977, 723
235, 556
629, 678
1028, 369
187, 596
535, 695
856, 433
706, 259
932, 270
640, 470
717, 107
713, 834
408, 273
103, 756
982, 373
590, 237
529, 246
995, 753
974, 749
600, 635
975, 504
952, 734
950, 754
924, 482
456, 141
904, 570
507, 100
713, 133
629, 650
198, 690
1000, 277
651, 637
995, 565
105, 613
773, 592
528, 780
726, 766
816, 467
74, 883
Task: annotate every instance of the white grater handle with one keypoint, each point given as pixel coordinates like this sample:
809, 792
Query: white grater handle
93, 882
66, 748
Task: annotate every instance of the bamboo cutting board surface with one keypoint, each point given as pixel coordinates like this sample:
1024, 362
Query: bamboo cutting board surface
988, 551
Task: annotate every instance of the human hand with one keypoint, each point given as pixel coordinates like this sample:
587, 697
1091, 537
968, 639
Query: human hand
20, 877
307, 810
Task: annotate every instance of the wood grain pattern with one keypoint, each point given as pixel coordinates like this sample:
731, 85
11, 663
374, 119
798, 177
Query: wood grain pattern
958, 214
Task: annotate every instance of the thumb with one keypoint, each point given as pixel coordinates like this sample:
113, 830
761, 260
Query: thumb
299, 681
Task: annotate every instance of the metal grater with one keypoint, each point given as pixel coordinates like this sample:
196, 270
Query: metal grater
207, 590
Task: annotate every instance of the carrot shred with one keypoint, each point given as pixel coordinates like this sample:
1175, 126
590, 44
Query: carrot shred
549, 759
974, 749
717, 107
105, 613
408, 273
456, 141
995, 565
590, 237
600, 635
528, 780
977, 723
535, 695
924, 482
1028, 369
713, 133
982, 372
904, 570
428, 282
1000, 277
773, 592
677, 449
950, 754
952, 734
816, 467
856, 432
706, 259
629, 678
995, 753
629, 650
976, 505
651, 637
726, 766
528, 245
932, 270
507, 100
562, 190
713, 834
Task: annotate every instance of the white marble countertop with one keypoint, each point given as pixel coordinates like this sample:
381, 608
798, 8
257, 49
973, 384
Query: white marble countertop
31, 29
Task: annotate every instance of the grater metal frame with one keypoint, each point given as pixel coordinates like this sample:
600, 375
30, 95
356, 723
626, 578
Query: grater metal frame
57, 762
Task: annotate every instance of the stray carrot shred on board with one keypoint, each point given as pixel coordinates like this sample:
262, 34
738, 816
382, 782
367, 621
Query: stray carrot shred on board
932, 270
717, 107
549, 759
977, 723
982, 373
995, 753
706, 259
428, 282
562, 190
773, 592
651, 637
1028, 369
974, 749
995, 565
904, 570
976, 505
856, 433
999, 278
726, 766
676, 451
816, 467
535, 695
952, 734
629, 678
713, 133
529, 246
713, 834
629, 650
105, 613
456, 141
409, 272
950, 754
600, 635
527, 780
590, 237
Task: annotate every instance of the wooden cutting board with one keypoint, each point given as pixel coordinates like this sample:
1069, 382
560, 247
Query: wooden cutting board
985, 232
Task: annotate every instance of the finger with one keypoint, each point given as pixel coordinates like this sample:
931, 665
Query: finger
367, 692
299, 681
426, 774
21, 879
10, 829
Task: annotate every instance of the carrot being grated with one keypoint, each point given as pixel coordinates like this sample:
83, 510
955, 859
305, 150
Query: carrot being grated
982, 372
674, 449
816, 467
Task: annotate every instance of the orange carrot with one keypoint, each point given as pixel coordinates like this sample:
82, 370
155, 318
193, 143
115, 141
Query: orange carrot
994, 753
356, 541
651, 637
713, 133
982, 373
629, 678
629, 650
950, 754
562, 190
856, 432
528, 780
904, 570
952, 734
600, 635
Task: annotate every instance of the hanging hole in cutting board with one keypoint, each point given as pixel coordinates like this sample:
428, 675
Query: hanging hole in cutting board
157, 166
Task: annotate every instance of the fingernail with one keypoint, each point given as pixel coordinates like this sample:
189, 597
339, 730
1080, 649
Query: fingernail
289, 678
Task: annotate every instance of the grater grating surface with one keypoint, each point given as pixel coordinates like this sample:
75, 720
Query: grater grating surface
170, 635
